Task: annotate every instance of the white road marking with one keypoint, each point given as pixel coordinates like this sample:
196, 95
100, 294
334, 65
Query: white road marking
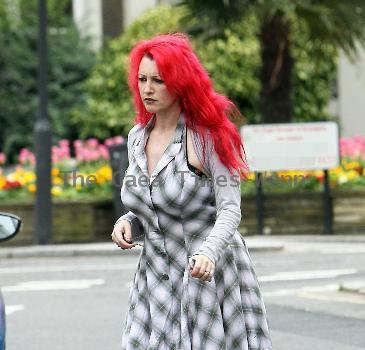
329, 292
293, 291
10, 309
305, 275
333, 248
63, 268
343, 250
342, 297
53, 285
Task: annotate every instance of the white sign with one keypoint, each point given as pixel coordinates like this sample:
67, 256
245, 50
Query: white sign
293, 146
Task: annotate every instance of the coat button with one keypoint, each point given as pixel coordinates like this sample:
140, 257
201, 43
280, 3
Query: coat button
165, 276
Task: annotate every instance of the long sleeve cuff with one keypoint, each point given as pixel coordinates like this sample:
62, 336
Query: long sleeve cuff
130, 216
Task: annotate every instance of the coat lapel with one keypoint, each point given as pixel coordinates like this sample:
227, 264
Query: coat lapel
171, 151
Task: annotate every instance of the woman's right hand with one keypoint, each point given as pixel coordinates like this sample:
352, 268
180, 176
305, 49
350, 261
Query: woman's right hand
122, 235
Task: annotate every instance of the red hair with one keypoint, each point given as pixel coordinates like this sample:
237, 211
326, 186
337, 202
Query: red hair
204, 108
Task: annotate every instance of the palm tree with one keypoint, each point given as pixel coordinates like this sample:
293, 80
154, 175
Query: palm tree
336, 22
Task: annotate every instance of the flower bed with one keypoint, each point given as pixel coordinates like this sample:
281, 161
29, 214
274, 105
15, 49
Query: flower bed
83, 172
349, 175
85, 175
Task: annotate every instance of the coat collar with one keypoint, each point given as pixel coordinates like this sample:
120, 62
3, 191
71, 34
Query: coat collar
170, 152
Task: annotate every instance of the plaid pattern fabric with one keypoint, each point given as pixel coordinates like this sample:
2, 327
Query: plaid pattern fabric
169, 309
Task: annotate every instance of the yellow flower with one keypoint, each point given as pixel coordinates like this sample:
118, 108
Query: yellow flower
55, 172
251, 176
32, 188
28, 177
352, 174
57, 181
291, 173
336, 171
351, 165
2, 182
104, 174
19, 170
347, 176
56, 191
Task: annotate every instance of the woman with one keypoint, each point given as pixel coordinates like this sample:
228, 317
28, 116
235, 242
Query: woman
195, 287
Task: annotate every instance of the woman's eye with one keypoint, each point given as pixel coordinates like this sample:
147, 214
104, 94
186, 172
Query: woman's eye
159, 81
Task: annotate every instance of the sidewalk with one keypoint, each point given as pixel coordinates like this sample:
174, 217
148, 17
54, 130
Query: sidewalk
254, 244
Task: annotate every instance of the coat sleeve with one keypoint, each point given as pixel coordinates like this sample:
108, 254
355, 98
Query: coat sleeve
132, 136
227, 192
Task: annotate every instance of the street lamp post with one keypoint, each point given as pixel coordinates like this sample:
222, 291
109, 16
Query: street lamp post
43, 205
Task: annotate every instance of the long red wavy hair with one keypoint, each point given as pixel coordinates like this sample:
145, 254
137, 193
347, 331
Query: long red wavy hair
204, 108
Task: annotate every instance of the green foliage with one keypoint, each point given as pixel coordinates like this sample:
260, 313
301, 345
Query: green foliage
330, 23
232, 61
314, 75
339, 23
109, 109
70, 61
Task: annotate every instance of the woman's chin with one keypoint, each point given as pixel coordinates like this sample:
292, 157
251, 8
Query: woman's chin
151, 109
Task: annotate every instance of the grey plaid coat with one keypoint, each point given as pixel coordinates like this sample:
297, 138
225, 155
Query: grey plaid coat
185, 214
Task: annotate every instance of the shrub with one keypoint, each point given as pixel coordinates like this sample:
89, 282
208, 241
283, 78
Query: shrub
232, 62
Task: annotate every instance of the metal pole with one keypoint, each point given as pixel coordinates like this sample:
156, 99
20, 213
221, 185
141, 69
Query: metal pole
260, 204
43, 204
119, 164
327, 205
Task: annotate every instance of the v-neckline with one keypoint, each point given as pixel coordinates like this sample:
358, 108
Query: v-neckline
164, 153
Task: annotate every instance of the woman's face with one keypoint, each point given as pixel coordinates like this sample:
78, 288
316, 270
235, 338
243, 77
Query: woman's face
152, 89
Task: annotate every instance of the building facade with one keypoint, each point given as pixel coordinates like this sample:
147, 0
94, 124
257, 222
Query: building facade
98, 19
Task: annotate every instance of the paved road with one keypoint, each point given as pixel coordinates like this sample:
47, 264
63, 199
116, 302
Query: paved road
79, 303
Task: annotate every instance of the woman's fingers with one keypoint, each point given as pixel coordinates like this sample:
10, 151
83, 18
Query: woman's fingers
122, 235
127, 233
203, 268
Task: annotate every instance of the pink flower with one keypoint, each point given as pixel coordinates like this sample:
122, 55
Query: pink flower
118, 140
55, 158
109, 142
87, 155
353, 147
26, 156
2, 158
104, 153
32, 159
64, 153
93, 143
64, 143
77, 144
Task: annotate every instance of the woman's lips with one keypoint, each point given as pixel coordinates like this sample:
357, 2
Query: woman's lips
150, 100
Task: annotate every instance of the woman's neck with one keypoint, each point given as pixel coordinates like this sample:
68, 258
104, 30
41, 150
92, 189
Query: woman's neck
167, 121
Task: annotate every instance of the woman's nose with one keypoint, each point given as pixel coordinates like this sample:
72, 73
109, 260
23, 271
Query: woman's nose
148, 87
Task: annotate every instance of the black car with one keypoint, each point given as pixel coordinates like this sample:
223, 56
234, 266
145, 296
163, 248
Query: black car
9, 227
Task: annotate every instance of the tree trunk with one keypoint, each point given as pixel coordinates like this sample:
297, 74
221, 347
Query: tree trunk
276, 71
